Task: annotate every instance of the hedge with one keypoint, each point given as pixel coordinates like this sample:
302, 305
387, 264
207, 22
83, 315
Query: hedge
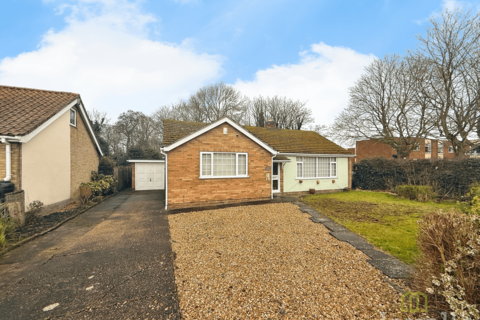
448, 178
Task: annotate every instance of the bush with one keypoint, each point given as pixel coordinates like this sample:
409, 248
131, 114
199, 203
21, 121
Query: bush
448, 269
448, 178
7, 229
101, 185
85, 195
418, 193
33, 209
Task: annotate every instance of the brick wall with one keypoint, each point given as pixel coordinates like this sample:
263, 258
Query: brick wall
185, 189
16, 158
371, 149
83, 155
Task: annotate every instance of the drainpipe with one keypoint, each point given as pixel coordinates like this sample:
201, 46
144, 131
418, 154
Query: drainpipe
8, 160
166, 178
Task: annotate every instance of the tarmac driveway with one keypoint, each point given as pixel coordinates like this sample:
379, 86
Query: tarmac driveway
112, 262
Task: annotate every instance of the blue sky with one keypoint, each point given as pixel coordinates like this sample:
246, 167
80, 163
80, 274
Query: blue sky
121, 54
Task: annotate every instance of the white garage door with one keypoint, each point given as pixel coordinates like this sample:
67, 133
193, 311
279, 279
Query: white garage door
149, 176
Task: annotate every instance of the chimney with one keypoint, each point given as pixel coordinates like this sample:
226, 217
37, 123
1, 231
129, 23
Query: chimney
270, 124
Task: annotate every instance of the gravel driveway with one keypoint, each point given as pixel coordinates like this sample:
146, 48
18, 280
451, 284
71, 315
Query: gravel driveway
268, 262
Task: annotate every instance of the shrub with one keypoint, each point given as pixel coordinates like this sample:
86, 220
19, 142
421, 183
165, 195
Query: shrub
449, 266
101, 185
85, 194
418, 193
7, 229
33, 208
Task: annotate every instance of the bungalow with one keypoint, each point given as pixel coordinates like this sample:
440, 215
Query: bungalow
49, 147
223, 162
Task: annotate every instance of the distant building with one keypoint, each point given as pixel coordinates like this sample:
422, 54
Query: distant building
427, 149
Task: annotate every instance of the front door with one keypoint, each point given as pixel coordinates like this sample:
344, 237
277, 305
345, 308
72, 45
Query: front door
276, 177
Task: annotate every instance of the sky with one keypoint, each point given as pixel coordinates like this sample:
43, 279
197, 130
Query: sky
139, 55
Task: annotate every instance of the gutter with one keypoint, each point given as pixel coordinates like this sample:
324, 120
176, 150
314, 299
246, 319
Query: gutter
347, 155
8, 156
166, 178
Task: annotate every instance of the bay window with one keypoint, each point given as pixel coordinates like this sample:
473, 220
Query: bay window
316, 167
223, 165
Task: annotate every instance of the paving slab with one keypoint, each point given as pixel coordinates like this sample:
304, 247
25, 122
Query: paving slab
112, 262
392, 268
334, 227
377, 255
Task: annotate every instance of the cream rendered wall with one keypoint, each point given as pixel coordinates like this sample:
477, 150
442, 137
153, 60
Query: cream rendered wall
46, 163
292, 184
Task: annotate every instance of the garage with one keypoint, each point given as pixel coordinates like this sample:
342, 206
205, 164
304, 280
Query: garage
148, 175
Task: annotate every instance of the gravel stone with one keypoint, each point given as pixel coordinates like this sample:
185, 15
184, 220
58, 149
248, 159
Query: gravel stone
269, 262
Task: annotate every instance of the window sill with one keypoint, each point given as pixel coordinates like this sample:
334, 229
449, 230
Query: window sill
227, 177
73, 125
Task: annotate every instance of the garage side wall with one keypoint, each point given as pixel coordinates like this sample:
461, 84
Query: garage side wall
186, 189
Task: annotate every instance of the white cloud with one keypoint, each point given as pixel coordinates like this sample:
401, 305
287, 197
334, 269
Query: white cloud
104, 54
446, 5
322, 77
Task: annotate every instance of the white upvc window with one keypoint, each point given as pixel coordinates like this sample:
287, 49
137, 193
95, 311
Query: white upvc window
416, 148
73, 117
316, 167
440, 147
428, 148
223, 165
450, 149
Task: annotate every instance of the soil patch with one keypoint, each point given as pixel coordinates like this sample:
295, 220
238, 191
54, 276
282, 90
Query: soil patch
38, 224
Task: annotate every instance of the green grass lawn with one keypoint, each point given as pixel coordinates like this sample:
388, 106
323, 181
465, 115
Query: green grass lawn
385, 220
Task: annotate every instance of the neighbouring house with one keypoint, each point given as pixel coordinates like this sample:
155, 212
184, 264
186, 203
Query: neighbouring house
432, 149
224, 162
47, 144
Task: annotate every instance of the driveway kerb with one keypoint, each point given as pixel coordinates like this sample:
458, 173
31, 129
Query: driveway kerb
389, 265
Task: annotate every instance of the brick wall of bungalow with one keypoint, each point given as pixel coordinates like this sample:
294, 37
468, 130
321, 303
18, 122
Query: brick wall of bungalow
186, 189
83, 155
16, 160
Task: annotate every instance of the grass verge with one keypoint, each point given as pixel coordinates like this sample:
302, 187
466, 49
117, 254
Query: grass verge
385, 220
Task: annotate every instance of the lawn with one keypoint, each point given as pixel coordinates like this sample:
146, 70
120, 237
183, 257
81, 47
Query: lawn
385, 220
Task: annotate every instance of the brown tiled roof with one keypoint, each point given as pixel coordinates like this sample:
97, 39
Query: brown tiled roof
22, 110
296, 141
282, 140
174, 130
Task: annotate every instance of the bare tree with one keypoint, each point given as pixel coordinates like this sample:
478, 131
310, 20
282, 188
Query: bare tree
384, 106
216, 101
126, 125
451, 52
286, 113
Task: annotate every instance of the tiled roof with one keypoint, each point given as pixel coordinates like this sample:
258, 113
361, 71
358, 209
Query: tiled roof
174, 130
282, 140
23, 110
296, 141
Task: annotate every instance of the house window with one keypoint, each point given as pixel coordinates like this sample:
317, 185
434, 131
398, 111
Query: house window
416, 148
73, 117
313, 167
440, 147
223, 165
450, 149
428, 148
